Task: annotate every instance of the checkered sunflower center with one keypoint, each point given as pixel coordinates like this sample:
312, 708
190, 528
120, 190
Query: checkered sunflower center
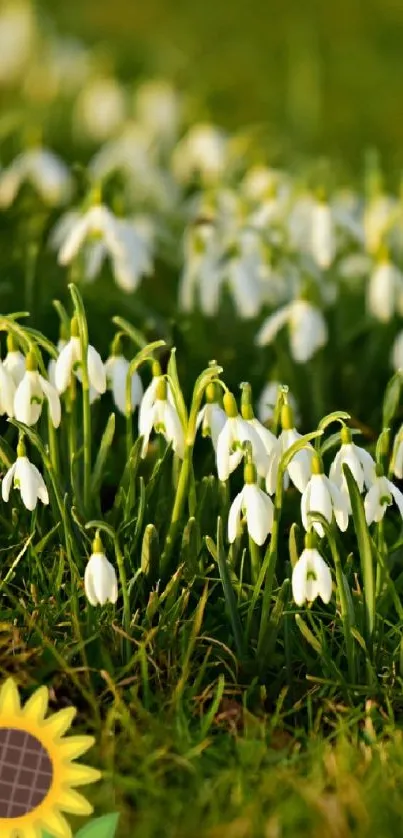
26, 772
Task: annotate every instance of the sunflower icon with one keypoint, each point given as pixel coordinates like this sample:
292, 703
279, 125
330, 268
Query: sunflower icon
37, 773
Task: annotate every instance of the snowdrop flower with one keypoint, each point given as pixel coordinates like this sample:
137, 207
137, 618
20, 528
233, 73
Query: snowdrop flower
299, 470
307, 328
244, 273
268, 399
397, 352
311, 576
14, 362
100, 233
381, 495
30, 394
100, 109
378, 219
230, 443
255, 505
202, 271
100, 581
70, 361
25, 477
359, 461
247, 413
160, 414
7, 392
385, 291
45, 172
323, 239
117, 369
212, 418
202, 152
323, 496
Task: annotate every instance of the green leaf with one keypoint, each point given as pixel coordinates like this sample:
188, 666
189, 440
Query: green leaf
104, 827
365, 551
229, 595
106, 442
172, 373
391, 398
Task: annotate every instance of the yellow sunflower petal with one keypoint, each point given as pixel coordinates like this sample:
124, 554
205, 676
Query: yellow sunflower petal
80, 775
9, 699
74, 803
30, 832
57, 825
75, 746
37, 706
57, 724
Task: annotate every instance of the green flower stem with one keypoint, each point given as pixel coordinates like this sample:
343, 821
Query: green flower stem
255, 560
345, 611
186, 472
269, 564
30, 268
53, 446
87, 438
126, 600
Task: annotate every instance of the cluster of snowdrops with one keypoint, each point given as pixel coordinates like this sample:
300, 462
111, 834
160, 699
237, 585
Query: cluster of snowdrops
272, 453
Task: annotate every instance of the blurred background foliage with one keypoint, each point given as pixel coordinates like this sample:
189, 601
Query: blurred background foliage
322, 77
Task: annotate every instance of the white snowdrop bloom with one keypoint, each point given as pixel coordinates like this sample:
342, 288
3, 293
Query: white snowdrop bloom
158, 109
244, 272
100, 109
397, 352
17, 37
14, 362
31, 393
268, 399
25, 477
378, 219
230, 443
103, 234
311, 576
159, 414
381, 495
385, 291
359, 461
100, 581
202, 275
117, 369
7, 392
255, 506
307, 329
43, 170
61, 343
70, 360
202, 152
299, 223
132, 155
323, 234
247, 413
323, 496
211, 418
299, 470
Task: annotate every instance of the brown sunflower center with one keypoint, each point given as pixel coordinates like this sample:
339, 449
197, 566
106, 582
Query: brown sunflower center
26, 772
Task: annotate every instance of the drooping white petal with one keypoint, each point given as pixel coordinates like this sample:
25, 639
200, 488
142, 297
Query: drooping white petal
323, 576
174, 430
341, 506
64, 366
26, 479
224, 445
96, 370
273, 324
397, 496
7, 482
308, 330
259, 512
100, 580
14, 363
53, 401
234, 516
7, 391
28, 399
